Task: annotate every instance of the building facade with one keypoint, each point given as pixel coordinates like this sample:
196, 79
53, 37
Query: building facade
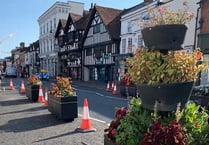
101, 43
32, 61
18, 57
203, 37
131, 37
70, 53
131, 26
48, 22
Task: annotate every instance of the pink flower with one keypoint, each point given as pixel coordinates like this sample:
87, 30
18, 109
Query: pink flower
161, 10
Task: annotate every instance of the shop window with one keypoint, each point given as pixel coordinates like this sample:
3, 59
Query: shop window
123, 46
96, 28
129, 45
88, 52
140, 41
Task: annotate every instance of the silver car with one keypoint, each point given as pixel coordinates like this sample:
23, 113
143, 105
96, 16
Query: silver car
11, 72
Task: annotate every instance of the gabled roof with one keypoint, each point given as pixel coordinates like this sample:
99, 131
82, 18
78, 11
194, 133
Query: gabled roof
107, 14
61, 25
74, 17
136, 7
83, 21
110, 18
80, 22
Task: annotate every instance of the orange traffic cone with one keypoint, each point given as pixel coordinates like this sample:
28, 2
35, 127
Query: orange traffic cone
108, 87
22, 89
86, 122
112, 85
46, 98
11, 87
114, 92
40, 95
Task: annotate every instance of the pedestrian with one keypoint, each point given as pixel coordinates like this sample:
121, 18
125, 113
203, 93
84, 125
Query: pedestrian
0, 78
1, 74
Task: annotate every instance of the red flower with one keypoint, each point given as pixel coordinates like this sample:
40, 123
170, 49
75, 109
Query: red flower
62, 88
111, 130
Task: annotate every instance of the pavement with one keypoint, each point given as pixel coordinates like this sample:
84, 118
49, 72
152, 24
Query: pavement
23, 122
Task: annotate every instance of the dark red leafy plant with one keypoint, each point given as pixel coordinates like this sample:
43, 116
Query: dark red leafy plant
111, 130
171, 134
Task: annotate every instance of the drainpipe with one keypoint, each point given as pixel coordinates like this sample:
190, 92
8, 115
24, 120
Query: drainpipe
197, 28
195, 33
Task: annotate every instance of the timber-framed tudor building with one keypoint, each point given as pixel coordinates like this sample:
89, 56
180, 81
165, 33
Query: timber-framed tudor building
94, 44
88, 44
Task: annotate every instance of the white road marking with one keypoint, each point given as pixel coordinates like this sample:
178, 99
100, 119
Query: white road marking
99, 94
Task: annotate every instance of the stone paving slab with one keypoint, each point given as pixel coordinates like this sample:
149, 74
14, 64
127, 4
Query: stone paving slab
23, 122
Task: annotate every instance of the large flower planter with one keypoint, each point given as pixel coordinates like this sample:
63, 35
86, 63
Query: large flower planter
201, 100
32, 92
131, 90
167, 96
107, 141
164, 37
65, 108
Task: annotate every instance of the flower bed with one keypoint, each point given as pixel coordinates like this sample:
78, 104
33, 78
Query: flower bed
140, 126
62, 100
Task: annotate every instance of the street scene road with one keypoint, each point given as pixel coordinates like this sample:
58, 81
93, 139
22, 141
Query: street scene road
23, 122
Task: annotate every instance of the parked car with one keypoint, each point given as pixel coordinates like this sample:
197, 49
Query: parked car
11, 71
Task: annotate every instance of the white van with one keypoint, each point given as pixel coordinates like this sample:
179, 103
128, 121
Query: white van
11, 72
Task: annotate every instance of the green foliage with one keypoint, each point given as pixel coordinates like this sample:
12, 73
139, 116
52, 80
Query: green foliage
152, 67
194, 120
136, 120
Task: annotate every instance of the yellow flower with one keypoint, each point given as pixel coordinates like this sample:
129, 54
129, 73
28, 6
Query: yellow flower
62, 88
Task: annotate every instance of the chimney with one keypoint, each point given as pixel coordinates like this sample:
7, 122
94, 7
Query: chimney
148, 1
22, 44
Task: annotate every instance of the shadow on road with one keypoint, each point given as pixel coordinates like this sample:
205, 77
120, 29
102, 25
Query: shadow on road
60, 135
30, 123
14, 102
25, 110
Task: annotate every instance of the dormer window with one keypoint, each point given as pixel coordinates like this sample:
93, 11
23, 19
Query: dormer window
96, 24
61, 32
70, 28
96, 28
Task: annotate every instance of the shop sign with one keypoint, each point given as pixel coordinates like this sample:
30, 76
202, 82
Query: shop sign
106, 56
98, 62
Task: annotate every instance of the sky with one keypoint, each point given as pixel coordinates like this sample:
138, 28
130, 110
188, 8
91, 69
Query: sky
18, 19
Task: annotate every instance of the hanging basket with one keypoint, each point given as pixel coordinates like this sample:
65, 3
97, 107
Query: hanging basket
164, 37
167, 96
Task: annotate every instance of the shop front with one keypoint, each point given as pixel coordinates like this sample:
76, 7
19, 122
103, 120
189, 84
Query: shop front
74, 66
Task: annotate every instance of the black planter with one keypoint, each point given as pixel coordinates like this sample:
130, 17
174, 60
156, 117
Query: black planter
65, 108
131, 90
164, 37
32, 92
107, 141
201, 100
167, 96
